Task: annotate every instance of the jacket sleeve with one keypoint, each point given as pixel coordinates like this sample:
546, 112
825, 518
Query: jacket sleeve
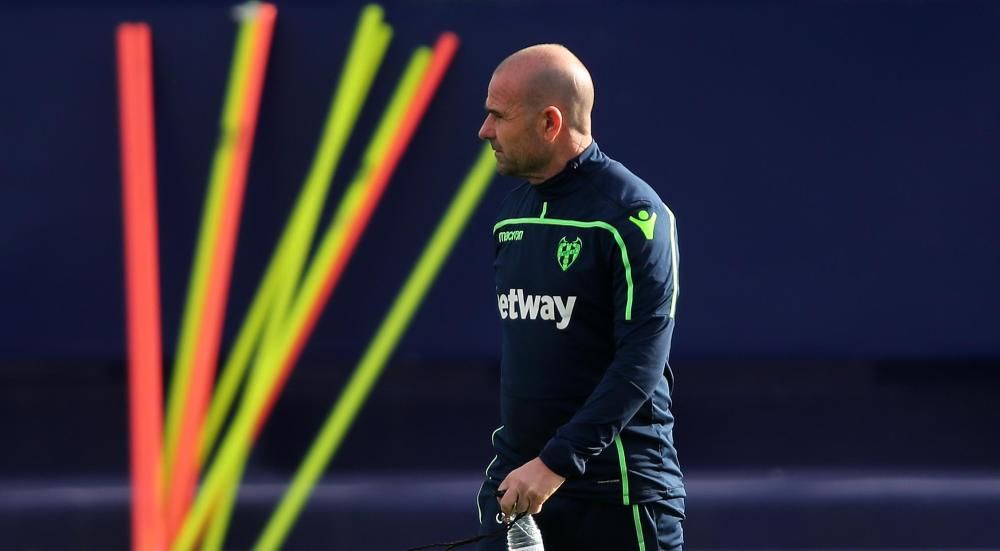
645, 293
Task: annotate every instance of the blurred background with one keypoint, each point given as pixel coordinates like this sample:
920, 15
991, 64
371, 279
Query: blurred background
835, 174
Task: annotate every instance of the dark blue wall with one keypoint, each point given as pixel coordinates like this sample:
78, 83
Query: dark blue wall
833, 166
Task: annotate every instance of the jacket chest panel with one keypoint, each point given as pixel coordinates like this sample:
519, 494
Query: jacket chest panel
551, 259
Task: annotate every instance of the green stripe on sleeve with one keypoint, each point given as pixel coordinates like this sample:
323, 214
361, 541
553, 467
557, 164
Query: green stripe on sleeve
674, 261
623, 467
638, 528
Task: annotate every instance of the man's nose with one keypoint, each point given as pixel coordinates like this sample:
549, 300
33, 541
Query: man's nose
486, 130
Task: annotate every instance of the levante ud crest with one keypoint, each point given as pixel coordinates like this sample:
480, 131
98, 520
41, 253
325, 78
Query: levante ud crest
567, 252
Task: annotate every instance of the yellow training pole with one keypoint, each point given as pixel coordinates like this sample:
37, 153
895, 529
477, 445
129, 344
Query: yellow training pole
211, 214
378, 352
332, 243
368, 47
364, 57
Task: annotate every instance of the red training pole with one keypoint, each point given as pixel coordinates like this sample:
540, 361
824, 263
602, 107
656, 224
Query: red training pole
186, 466
142, 283
444, 51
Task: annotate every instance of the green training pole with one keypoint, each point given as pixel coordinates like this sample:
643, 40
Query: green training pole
332, 242
364, 57
378, 352
360, 68
332, 245
210, 222
215, 536
302, 235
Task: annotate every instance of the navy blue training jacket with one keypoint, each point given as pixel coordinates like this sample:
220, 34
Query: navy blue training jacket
586, 279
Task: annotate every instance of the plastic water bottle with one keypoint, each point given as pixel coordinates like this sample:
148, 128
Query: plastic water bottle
524, 536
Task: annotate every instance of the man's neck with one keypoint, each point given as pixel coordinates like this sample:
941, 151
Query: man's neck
572, 149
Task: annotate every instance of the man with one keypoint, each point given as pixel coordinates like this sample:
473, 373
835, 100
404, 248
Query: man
586, 278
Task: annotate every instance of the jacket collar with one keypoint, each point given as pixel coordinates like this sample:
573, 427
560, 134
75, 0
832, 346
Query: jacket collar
564, 182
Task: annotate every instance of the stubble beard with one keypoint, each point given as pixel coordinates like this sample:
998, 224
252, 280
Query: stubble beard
519, 168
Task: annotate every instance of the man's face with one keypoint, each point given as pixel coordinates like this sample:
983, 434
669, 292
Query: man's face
512, 128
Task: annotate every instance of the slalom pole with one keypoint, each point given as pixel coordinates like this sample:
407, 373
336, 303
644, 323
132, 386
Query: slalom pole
377, 150
184, 478
142, 283
366, 52
377, 354
215, 534
325, 272
295, 258
368, 47
198, 280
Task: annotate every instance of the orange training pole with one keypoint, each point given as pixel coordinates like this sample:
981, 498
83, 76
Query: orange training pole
186, 466
444, 51
142, 284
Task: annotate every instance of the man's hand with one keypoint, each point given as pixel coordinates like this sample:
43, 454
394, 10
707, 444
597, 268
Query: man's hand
527, 487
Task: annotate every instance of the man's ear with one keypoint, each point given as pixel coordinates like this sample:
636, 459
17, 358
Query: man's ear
552, 123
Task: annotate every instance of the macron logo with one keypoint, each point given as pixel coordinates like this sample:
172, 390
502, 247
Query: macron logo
515, 304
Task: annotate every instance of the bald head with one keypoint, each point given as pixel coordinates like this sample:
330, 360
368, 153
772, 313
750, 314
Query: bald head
538, 112
549, 74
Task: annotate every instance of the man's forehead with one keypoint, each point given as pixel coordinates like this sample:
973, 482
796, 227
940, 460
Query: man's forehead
498, 97
501, 93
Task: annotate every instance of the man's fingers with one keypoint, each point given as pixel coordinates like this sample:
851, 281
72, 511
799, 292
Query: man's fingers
501, 494
532, 502
523, 505
508, 502
513, 504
